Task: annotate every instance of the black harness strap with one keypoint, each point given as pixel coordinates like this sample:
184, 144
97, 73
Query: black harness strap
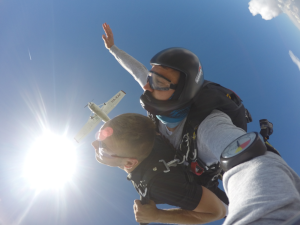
271, 148
162, 158
161, 166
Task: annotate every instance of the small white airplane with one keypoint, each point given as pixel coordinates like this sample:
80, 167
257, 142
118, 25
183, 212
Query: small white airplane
99, 114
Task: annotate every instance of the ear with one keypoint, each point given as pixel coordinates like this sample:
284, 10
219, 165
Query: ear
130, 162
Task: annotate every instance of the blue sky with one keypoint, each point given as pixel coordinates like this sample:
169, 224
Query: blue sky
53, 61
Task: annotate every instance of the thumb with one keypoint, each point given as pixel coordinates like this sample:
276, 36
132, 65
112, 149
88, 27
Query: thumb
137, 203
152, 203
104, 37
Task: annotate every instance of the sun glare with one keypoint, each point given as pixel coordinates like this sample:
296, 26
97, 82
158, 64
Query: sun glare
50, 162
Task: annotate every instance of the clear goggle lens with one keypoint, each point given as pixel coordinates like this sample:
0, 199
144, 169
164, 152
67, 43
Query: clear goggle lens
159, 82
101, 151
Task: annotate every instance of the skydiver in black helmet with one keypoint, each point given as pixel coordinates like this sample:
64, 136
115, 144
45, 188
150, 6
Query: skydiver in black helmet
205, 118
178, 99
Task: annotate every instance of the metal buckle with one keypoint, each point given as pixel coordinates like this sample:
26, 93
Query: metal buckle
169, 164
248, 116
143, 194
141, 187
186, 140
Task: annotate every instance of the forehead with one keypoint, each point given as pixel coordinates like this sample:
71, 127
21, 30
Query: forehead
171, 74
108, 143
112, 147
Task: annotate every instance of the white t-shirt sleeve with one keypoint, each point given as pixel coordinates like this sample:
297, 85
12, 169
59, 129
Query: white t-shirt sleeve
134, 67
214, 134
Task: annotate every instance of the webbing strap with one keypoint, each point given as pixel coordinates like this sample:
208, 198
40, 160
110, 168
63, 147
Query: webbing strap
271, 148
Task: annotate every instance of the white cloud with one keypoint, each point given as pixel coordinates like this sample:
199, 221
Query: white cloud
269, 9
292, 9
295, 59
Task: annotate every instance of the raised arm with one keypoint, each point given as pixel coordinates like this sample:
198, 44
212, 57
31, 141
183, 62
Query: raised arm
209, 209
134, 67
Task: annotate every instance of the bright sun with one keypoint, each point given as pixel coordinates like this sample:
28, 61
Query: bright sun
50, 162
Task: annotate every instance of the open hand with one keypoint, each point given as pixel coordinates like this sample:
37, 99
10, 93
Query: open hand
109, 38
145, 213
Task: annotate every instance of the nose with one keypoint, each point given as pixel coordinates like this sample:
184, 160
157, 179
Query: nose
104, 153
95, 144
147, 87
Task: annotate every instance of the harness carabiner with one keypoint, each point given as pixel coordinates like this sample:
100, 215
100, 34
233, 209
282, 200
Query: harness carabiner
194, 157
186, 140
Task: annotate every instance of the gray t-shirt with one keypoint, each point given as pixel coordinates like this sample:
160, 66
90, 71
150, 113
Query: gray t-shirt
264, 190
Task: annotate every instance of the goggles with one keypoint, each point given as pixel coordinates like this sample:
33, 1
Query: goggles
159, 82
102, 145
102, 152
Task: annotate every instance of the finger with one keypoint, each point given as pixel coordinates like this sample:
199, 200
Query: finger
137, 203
109, 31
105, 30
136, 219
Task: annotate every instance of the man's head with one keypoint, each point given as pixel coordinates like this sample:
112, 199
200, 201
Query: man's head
128, 140
183, 68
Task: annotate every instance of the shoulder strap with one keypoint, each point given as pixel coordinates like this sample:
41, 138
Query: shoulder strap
214, 96
160, 161
211, 96
154, 120
271, 148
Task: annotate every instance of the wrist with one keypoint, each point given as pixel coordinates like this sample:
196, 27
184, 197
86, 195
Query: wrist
111, 47
158, 215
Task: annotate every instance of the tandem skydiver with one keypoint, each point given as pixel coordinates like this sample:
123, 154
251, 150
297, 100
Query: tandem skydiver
130, 142
196, 114
262, 190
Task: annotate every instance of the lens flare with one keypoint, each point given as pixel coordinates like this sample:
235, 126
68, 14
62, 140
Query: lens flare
50, 162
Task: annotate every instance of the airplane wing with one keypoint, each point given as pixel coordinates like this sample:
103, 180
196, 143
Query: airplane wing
108, 106
88, 127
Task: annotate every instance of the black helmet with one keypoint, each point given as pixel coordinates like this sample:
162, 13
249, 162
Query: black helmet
189, 65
